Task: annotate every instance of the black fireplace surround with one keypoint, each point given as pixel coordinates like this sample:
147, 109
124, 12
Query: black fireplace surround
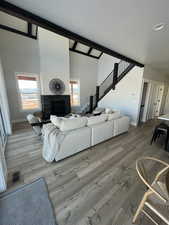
58, 105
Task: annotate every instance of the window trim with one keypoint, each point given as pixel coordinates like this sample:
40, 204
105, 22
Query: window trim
77, 81
19, 95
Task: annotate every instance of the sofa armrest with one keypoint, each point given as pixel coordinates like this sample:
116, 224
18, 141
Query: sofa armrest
121, 125
101, 132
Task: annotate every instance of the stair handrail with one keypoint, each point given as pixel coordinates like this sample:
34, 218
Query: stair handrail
109, 74
119, 75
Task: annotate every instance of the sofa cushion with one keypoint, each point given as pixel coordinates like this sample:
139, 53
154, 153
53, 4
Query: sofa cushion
56, 120
96, 119
101, 132
109, 111
121, 125
114, 115
98, 111
73, 123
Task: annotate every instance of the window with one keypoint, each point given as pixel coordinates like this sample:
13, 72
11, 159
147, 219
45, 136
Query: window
29, 94
75, 93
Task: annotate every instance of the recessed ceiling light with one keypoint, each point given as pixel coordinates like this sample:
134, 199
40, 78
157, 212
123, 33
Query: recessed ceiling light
158, 26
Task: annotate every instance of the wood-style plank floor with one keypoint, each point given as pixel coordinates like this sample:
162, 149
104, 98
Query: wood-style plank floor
98, 186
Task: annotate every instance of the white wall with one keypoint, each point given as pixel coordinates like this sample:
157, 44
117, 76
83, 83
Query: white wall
54, 59
165, 100
154, 74
127, 95
3, 171
4, 101
105, 67
47, 56
166, 106
18, 54
5, 112
84, 69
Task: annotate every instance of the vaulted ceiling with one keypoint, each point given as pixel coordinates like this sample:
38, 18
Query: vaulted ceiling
22, 27
16, 25
123, 26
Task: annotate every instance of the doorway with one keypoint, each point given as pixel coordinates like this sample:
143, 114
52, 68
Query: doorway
151, 101
165, 102
156, 100
143, 102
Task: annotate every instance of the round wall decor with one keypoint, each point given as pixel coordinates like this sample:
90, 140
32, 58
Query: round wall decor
57, 86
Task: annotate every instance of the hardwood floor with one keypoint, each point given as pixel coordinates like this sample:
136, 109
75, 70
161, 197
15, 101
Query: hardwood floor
98, 186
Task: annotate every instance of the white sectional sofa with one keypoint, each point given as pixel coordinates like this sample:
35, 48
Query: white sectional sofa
66, 137
75, 141
101, 132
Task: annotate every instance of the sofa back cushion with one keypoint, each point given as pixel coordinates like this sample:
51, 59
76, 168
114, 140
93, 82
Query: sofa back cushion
108, 110
96, 119
98, 110
56, 120
114, 115
73, 123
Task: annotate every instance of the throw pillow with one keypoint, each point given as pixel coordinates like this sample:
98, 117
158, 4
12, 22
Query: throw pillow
108, 111
56, 120
114, 115
73, 123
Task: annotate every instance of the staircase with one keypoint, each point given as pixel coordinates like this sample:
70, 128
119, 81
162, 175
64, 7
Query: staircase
119, 71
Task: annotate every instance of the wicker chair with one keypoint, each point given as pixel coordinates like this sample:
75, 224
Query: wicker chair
34, 120
156, 198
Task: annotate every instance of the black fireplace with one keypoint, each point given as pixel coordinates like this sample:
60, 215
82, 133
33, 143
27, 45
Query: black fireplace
58, 105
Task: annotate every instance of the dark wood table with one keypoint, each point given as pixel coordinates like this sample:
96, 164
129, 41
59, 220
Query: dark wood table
41, 123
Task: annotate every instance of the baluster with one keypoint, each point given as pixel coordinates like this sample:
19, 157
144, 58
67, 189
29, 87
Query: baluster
97, 94
91, 104
115, 75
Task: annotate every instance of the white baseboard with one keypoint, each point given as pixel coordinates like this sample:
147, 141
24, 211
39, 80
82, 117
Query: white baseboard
19, 120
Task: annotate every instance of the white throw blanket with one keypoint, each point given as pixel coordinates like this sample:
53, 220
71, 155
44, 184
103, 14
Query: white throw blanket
52, 138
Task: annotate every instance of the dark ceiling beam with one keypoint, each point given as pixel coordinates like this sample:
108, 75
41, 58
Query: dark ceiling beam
34, 19
36, 31
16, 31
74, 45
83, 53
29, 28
90, 49
100, 54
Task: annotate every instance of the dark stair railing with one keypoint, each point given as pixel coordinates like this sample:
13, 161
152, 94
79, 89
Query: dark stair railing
119, 71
